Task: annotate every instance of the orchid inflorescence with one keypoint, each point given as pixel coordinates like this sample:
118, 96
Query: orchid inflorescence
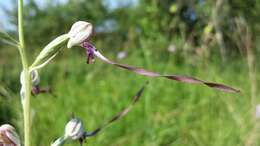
79, 35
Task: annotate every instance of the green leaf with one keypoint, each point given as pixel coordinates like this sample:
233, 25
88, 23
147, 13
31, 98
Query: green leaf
6, 38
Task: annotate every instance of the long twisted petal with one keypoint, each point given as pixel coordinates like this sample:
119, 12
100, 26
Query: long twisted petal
185, 79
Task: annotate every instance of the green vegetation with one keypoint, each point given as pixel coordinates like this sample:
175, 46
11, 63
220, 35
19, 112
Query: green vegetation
169, 113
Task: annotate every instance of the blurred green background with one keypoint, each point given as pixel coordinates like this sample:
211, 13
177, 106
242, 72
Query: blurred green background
215, 40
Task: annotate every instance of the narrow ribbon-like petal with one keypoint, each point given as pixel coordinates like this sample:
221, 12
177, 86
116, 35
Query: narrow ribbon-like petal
185, 79
119, 115
91, 51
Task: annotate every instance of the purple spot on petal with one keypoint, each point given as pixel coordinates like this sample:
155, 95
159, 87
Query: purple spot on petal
89, 51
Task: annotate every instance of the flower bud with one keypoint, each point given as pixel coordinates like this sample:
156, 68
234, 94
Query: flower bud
8, 136
79, 32
34, 77
74, 129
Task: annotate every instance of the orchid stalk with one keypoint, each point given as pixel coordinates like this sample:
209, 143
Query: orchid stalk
27, 82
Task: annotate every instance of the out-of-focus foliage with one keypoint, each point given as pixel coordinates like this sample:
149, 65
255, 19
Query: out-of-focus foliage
178, 36
52, 20
161, 22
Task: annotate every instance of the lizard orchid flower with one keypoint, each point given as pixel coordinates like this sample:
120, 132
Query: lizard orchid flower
80, 34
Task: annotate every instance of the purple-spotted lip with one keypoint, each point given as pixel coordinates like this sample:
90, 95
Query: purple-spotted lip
90, 49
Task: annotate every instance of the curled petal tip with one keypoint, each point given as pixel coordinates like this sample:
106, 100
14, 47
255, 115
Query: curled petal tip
222, 87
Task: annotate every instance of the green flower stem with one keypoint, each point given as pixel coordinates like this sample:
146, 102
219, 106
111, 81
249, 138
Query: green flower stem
26, 105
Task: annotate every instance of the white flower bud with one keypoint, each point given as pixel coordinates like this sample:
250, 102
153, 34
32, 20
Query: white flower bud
74, 129
34, 77
8, 136
79, 32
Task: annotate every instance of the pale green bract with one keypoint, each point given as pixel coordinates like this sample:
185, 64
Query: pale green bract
49, 52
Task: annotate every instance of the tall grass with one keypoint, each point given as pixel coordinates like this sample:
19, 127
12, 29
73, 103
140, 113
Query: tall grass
179, 114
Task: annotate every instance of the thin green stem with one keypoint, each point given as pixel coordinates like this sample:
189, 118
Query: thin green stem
27, 84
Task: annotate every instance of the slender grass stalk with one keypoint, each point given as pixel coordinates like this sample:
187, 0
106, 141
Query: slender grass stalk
26, 105
219, 33
253, 83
